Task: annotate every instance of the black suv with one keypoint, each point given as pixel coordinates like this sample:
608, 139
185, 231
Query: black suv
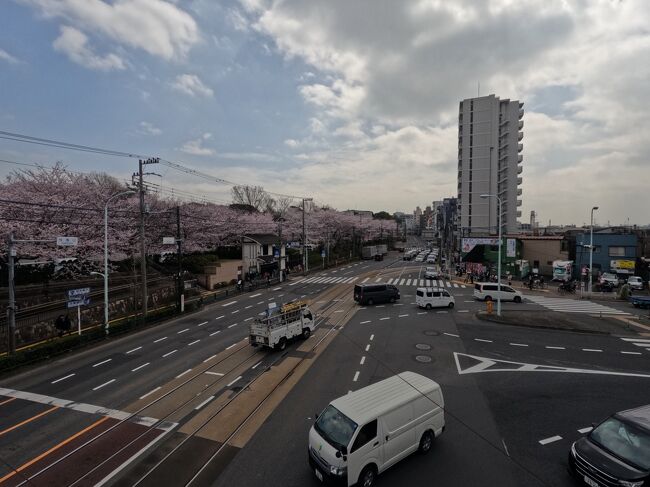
616, 452
375, 293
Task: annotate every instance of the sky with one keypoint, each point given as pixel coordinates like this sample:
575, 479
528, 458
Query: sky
354, 103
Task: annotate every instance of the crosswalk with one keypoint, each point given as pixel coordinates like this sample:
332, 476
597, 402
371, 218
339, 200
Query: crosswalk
394, 281
639, 342
565, 305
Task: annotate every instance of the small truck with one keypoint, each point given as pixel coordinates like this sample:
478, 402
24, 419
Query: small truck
281, 324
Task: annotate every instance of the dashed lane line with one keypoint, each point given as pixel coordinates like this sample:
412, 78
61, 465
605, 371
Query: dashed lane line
62, 378
554, 348
209, 372
363, 359
256, 365
372, 337
194, 342
230, 346
585, 430
140, 367
170, 353
133, 350
483, 340
183, 373
228, 304
551, 439
182, 331
234, 324
160, 340
102, 362
214, 333
519, 344
207, 400
632, 353
233, 381
591, 350
384, 318
104, 384
248, 319
367, 347
201, 324
364, 322
219, 317
402, 316
451, 335
356, 376
255, 295
209, 358
151, 392
236, 311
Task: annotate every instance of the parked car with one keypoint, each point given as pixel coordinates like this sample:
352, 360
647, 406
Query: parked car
361, 434
616, 452
426, 297
609, 278
431, 259
489, 291
635, 282
375, 293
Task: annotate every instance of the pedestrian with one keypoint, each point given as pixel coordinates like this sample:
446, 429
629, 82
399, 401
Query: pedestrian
509, 279
59, 324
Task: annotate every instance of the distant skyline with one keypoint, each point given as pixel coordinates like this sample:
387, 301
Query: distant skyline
353, 103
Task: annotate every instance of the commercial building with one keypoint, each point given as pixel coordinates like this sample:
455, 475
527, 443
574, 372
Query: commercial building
489, 162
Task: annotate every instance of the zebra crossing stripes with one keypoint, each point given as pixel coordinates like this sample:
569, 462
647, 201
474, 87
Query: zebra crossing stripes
565, 305
639, 342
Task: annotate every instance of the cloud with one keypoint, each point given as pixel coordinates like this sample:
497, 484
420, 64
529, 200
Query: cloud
158, 27
5, 56
195, 147
149, 129
74, 44
190, 84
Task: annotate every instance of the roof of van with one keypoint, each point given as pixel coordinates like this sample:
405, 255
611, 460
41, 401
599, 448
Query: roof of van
639, 416
376, 399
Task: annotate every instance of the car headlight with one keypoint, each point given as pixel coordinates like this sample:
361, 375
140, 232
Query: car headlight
627, 483
338, 470
573, 449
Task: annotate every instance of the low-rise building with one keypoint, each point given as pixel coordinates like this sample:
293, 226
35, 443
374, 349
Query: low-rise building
261, 254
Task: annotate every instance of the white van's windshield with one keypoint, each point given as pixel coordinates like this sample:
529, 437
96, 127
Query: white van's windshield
335, 427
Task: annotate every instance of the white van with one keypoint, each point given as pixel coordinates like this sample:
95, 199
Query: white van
489, 291
364, 432
427, 297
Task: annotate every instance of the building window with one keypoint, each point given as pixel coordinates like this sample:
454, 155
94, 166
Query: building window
617, 251
564, 245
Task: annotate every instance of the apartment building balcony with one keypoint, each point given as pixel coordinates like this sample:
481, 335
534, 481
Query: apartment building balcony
519, 203
520, 135
520, 169
521, 113
520, 147
521, 124
518, 213
520, 159
519, 181
519, 192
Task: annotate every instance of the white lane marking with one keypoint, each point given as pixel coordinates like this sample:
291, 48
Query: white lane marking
401, 316
233, 381
236, 311
104, 384
591, 350
463, 311
255, 295
170, 353
182, 331
297, 282
401, 282
399, 304
363, 359
194, 342
585, 430
229, 347
201, 324
183, 373
463, 286
364, 322
260, 302
209, 372
219, 317
408, 282
248, 307
455, 285
140, 367
204, 403
647, 340
482, 340
151, 392
276, 288
62, 378
103, 362
160, 339
546, 441
379, 280
228, 304
339, 311
380, 306
442, 312
209, 358
248, 319
365, 280
470, 301
422, 313
234, 324
367, 347
555, 348
519, 344
214, 333
632, 353
255, 366
385, 318
372, 337
134, 350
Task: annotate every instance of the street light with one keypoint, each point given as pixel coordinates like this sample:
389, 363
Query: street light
105, 274
484, 196
304, 236
591, 248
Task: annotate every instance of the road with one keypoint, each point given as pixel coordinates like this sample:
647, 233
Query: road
174, 396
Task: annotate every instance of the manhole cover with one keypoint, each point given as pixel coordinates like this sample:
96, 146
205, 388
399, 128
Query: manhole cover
423, 358
422, 346
431, 333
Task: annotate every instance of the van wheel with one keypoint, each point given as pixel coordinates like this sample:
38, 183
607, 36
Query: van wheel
370, 302
305, 333
425, 442
428, 306
368, 477
392, 300
488, 298
451, 305
517, 299
282, 344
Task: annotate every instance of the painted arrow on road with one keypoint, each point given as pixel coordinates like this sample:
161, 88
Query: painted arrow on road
472, 364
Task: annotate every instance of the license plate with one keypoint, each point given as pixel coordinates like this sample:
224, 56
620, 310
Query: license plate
318, 474
259, 339
590, 482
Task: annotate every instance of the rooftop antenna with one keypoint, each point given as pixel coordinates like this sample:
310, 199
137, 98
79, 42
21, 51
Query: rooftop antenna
478, 90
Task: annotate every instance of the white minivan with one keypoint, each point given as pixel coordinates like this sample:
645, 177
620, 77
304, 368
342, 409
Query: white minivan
489, 291
361, 434
427, 297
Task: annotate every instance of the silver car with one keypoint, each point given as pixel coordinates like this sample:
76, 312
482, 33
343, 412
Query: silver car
635, 282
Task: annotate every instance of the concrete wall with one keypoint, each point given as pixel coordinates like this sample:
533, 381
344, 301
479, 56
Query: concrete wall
544, 251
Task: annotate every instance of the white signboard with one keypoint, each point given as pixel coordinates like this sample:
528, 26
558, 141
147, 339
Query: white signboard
169, 240
469, 243
67, 241
511, 247
78, 293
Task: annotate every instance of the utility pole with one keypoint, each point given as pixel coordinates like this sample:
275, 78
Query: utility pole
143, 246
11, 308
280, 248
304, 237
179, 243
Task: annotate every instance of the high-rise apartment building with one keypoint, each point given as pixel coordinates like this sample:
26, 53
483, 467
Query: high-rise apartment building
489, 162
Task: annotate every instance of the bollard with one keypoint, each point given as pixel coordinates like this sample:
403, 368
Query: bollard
489, 306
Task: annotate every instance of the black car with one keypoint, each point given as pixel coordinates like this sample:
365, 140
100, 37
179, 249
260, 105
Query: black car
616, 452
375, 293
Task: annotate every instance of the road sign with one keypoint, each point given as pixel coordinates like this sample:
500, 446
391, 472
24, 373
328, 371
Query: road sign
169, 240
276, 253
67, 241
78, 302
322, 254
78, 293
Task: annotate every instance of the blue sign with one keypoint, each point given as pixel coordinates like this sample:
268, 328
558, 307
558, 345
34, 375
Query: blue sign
79, 302
78, 293
276, 253
322, 254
